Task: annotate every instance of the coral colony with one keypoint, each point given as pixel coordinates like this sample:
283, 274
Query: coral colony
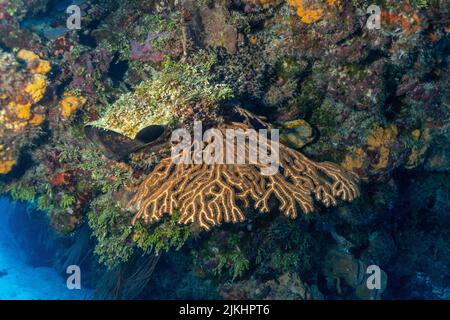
206, 191
239, 149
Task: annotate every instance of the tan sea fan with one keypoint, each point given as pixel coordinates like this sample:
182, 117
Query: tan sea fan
208, 195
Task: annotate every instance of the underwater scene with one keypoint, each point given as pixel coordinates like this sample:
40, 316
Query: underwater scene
224, 150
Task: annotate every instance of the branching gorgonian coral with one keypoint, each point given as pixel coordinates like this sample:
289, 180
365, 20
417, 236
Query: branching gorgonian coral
208, 195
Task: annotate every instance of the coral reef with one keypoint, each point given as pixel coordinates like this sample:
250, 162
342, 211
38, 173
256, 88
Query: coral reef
86, 116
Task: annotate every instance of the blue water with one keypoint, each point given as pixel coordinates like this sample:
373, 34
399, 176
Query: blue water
21, 280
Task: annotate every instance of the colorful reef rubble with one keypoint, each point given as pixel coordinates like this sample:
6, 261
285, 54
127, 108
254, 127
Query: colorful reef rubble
86, 118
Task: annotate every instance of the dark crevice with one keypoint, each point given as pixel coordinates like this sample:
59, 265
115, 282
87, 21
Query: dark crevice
118, 69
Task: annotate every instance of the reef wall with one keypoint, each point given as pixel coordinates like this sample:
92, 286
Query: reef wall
86, 117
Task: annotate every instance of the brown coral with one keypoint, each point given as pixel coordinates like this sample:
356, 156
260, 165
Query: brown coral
207, 195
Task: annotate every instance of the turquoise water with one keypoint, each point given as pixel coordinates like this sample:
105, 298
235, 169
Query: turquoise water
19, 279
